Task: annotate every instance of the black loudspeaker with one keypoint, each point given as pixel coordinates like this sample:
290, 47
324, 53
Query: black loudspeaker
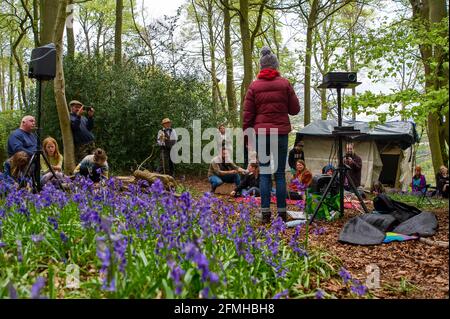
320, 182
42, 65
340, 77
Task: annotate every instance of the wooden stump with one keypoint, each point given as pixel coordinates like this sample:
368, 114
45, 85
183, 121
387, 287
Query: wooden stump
225, 189
168, 181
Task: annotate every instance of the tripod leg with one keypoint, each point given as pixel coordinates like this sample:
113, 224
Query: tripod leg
325, 193
352, 185
52, 171
33, 175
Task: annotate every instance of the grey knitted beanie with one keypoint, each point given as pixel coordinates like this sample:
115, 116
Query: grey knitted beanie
268, 59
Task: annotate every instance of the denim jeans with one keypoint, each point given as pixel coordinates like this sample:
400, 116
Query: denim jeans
219, 180
278, 147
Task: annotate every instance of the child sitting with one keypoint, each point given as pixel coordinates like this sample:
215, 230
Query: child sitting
249, 183
94, 166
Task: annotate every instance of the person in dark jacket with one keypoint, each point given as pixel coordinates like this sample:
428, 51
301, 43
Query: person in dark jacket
355, 163
23, 138
249, 183
269, 101
442, 181
295, 154
82, 126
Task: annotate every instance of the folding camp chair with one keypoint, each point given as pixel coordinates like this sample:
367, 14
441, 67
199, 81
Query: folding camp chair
426, 195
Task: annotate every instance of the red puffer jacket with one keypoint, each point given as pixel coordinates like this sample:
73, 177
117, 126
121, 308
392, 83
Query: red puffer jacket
268, 103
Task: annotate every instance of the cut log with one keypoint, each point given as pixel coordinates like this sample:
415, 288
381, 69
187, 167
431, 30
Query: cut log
168, 181
427, 241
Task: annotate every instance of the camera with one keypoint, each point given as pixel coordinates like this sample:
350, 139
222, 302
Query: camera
87, 108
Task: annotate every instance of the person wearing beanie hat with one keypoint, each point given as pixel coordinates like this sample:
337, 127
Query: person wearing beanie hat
269, 101
82, 127
268, 59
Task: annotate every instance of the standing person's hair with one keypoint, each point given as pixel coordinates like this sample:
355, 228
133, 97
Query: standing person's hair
18, 162
57, 154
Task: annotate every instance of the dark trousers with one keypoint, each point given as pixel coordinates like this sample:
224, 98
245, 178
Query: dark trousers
166, 166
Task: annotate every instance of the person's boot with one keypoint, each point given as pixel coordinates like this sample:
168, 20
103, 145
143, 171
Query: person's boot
263, 216
282, 214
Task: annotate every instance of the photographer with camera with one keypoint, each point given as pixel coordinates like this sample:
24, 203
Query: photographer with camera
82, 126
354, 163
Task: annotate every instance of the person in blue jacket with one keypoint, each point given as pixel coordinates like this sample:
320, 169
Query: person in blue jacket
23, 138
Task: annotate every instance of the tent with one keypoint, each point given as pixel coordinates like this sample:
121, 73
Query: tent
385, 149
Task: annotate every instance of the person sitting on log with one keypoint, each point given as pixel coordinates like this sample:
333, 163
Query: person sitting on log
94, 166
302, 176
249, 184
223, 170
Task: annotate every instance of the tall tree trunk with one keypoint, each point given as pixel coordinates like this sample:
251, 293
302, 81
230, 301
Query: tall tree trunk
2, 82
48, 12
12, 76
60, 94
118, 33
70, 33
231, 91
36, 23
246, 51
309, 44
212, 55
427, 12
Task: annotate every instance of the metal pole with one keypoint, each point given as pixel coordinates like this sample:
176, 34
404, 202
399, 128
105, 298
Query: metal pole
341, 162
38, 135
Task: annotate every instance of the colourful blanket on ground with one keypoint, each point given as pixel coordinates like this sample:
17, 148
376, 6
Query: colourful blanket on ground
390, 237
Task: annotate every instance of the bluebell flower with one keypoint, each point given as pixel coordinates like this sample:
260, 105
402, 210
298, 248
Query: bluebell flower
37, 238
37, 287
319, 294
345, 275
282, 294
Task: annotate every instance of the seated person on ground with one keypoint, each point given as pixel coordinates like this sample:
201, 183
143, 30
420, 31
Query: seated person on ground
249, 184
419, 183
15, 167
442, 181
377, 188
94, 166
295, 154
51, 151
328, 169
223, 170
303, 176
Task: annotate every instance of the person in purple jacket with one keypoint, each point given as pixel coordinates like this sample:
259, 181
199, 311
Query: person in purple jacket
419, 182
269, 101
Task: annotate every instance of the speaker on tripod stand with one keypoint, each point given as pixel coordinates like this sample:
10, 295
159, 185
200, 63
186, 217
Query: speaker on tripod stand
339, 81
42, 67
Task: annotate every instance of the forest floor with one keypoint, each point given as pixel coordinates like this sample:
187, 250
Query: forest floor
410, 269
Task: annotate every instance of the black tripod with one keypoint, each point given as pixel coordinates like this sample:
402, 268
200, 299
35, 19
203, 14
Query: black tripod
35, 162
342, 171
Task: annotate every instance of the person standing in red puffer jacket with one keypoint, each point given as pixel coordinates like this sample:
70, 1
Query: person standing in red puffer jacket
269, 101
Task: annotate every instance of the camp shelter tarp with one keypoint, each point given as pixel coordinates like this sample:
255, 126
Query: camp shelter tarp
389, 138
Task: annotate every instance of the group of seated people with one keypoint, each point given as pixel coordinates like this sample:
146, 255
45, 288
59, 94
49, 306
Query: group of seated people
223, 170
419, 182
18, 168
